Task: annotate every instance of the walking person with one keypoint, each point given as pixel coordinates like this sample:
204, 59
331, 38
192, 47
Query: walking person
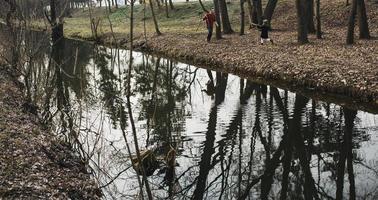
264, 37
209, 19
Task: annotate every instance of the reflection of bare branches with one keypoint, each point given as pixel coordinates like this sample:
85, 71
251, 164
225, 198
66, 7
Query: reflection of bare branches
346, 156
191, 82
115, 177
323, 193
366, 166
128, 104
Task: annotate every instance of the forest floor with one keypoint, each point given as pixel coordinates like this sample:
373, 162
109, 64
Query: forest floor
326, 65
33, 163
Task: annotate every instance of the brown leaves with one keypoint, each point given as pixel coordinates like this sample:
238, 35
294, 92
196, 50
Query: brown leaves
325, 64
26, 172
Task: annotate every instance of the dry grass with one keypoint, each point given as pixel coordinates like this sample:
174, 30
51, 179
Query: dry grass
328, 64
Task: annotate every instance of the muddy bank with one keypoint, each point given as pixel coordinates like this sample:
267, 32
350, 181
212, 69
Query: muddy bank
33, 163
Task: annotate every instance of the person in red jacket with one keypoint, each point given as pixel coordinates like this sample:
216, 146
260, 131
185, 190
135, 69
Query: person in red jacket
209, 19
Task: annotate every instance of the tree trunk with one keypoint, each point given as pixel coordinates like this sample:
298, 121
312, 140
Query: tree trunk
218, 32
257, 11
148, 190
242, 23
166, 8
224, 15
269, 9
52, 11
154, 19
110, 7
250, 13
202, 6
11, 12
158, 3
362, 20
171, 5
310, 16
318, 21
56, 26
352, 19
302, 25
15, 51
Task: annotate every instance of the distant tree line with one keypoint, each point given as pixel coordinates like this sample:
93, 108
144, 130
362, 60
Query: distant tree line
308, 14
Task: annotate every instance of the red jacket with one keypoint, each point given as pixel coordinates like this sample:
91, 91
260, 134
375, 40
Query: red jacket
210, 19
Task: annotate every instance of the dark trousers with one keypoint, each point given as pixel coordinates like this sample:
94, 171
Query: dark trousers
209, 33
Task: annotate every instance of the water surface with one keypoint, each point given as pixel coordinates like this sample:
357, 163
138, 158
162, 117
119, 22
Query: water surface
232, 138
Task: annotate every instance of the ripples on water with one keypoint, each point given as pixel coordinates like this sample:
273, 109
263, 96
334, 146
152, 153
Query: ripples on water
236, 139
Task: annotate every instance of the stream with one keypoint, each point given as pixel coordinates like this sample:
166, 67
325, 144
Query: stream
208, 134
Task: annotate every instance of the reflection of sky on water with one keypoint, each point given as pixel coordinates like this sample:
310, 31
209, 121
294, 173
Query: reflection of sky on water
228, 131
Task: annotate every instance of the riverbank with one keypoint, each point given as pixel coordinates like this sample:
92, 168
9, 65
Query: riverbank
33, 163
326, 65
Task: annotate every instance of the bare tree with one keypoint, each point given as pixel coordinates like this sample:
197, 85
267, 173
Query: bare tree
218, 32
11, 12
250, 13
358, 7
302, 25
171, 5
269, 9
318, 21
362, 20
225, 19
94, 22
15, 40
202, 6
257, 9
242, 18
166, 8
352, 19
310, 16
129, 103
56, 18
154, 18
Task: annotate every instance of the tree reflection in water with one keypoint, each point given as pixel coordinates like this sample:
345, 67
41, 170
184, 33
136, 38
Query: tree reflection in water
216, 136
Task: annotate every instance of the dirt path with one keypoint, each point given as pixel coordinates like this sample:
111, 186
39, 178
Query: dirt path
33, 164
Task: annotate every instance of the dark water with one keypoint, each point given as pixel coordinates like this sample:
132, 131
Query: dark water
233, 138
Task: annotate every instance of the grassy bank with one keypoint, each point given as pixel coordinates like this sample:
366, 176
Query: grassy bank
326, 65
186, 17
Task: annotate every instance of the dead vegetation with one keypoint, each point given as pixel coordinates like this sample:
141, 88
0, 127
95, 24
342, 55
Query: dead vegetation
326, 65
33, 164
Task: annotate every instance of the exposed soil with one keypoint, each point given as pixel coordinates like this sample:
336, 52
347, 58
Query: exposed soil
33, 163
